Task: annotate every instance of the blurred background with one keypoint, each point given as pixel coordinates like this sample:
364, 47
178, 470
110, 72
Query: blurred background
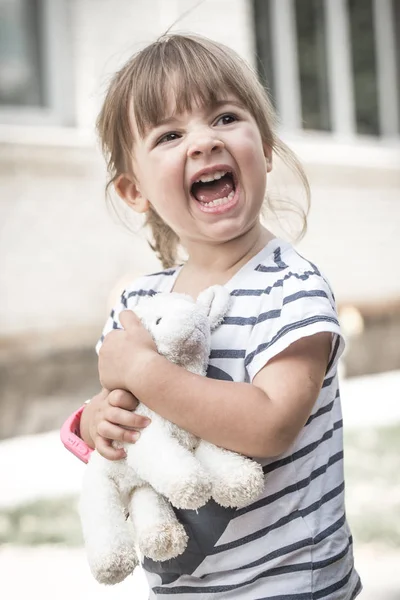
333, 70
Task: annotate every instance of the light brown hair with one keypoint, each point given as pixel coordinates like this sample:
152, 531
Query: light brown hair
196, 69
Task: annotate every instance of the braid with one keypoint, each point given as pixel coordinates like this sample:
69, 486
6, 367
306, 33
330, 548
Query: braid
165, 241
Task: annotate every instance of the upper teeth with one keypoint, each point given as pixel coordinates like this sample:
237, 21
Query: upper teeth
211, 176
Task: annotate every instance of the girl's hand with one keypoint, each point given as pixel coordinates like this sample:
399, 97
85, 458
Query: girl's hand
123, 351
109, 417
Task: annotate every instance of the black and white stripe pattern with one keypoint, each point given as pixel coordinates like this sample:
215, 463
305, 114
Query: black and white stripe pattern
293, 543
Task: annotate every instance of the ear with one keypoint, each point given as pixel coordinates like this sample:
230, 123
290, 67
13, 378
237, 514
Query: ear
216, 300
268, 157
128, 190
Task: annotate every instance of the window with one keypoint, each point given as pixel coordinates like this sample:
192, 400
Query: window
396, 21
363, 59
312, 64
262, 18
34, 73
332, 65
20, 76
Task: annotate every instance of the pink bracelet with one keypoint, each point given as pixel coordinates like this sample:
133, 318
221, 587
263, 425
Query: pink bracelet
70, 436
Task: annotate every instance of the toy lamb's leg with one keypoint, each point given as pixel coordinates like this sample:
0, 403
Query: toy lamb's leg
108, 535
159, 535
237, 480
169, 468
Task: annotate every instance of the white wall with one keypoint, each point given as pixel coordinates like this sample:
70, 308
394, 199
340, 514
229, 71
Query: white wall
355, 217
107, 32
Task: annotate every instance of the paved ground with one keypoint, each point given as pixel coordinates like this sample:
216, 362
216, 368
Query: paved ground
62, 574
59, 574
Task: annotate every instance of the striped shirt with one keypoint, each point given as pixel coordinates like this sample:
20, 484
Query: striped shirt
293, 543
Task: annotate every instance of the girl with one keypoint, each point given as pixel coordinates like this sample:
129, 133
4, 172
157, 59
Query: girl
189, 136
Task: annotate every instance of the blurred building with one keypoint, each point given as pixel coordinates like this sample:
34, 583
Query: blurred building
333, 70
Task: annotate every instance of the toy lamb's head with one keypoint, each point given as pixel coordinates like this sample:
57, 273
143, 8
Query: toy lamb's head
181, 327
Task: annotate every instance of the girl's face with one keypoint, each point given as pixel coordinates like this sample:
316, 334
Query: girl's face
203, 171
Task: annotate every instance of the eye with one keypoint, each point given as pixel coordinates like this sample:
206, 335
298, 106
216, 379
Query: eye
226, 119
158, 320
168, 137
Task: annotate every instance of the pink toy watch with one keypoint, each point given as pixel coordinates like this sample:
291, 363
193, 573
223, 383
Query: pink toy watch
70, 436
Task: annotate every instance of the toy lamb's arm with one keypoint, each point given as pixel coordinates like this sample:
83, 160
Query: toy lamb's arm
236, 480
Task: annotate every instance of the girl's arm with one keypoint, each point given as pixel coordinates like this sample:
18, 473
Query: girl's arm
259, 419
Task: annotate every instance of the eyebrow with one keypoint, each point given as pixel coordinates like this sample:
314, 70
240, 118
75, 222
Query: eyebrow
174, 117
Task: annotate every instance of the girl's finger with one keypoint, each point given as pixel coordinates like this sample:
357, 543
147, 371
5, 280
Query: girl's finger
128, 319
105, 448
112, 432
122, 399
125, 418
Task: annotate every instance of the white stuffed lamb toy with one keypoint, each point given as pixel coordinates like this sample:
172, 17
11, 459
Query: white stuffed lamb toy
167, 464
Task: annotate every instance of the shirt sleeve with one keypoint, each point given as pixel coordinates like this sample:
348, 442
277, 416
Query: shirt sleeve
113, 319
128, 300
140, 288
303, 306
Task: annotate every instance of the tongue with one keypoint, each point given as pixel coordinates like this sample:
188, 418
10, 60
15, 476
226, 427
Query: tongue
207, 192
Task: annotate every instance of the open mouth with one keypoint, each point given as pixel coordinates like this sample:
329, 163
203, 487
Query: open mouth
214, 189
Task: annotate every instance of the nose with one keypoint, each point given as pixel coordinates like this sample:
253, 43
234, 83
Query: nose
204, 145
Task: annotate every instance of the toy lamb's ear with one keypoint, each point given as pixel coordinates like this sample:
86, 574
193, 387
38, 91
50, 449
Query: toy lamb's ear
216, 300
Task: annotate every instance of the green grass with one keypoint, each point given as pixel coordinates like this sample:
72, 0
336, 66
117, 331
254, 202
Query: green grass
372, 465
54, 521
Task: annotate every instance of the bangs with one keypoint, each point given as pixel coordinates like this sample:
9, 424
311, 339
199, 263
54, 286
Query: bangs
196, 72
